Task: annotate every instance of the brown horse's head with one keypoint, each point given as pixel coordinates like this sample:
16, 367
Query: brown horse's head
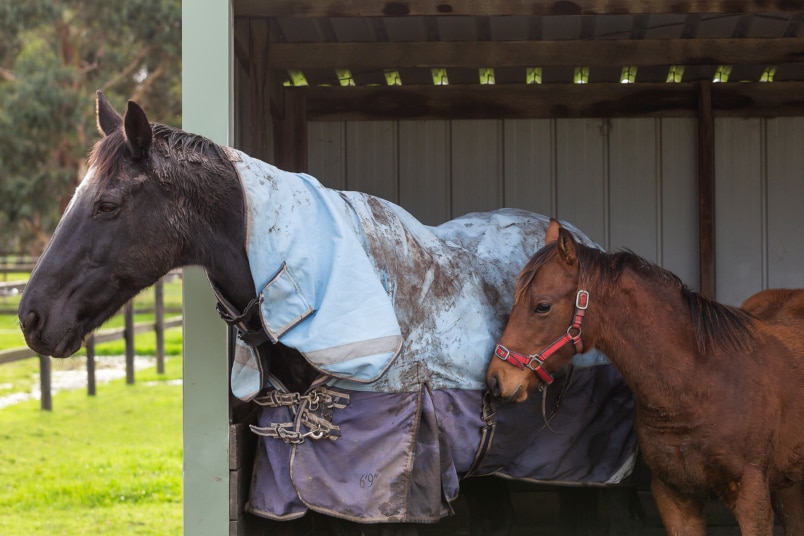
544, 309
129, 222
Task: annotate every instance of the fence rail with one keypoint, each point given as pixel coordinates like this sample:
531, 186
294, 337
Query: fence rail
16, 263
127, 333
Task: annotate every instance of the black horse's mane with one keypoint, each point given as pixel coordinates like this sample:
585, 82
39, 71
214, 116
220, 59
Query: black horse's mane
185, 165
718, 327
169, 146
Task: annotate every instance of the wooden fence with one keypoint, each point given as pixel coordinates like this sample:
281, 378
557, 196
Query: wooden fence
130, 329
15, 263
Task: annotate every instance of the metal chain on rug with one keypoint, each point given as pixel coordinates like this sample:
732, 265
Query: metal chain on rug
313, 410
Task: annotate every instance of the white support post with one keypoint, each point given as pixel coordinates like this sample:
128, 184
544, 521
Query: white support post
207, 110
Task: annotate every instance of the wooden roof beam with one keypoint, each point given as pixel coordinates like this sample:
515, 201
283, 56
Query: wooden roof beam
402, 8
475, 54
549, 100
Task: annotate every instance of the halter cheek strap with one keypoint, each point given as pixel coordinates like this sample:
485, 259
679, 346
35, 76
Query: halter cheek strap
535, 362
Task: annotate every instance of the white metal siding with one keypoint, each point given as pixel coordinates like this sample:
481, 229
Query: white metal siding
476, 160
634, 214
628, 183
738, 214
327, 153
785, 202
582, 192
371, 158
529, 165
424, 169
759, 188
678, 221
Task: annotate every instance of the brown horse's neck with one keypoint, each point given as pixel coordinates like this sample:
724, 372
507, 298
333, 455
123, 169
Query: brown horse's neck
629, 322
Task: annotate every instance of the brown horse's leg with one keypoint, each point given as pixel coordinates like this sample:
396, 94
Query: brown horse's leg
682, 516
752, 507
788, 503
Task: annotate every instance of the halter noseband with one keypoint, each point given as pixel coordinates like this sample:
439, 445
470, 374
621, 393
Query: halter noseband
536, 361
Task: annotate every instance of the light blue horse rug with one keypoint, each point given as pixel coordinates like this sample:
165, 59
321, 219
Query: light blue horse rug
401, 320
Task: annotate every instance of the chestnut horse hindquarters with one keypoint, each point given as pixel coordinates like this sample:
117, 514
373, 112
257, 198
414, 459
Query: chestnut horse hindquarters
401, 320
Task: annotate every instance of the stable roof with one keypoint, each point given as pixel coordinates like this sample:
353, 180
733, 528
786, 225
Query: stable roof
635, 57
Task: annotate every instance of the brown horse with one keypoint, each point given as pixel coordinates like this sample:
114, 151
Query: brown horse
779, 306
719, 393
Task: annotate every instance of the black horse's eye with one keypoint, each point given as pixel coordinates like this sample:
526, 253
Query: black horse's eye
106, 208
542, 308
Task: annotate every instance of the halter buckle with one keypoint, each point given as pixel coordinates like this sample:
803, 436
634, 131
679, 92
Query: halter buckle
502, 352
582, 300
508, 356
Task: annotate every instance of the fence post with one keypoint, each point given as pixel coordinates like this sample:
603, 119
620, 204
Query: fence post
90, 347
46, 400
159, 327
129, 337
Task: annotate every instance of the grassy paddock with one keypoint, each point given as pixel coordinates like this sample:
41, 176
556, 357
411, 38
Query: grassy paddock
104, 465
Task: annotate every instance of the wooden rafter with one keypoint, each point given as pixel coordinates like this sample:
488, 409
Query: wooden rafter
476, 54
401, 8
706, 190
550, 100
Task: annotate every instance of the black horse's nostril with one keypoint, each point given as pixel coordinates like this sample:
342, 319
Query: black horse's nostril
30, 321
494, 385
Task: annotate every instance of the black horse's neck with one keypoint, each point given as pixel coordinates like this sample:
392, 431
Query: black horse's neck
222, 253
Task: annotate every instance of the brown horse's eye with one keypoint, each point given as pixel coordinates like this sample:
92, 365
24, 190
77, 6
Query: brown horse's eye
542, 308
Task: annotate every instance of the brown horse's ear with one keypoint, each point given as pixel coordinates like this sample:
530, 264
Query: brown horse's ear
106, 118
566, 247
138, 130
551, 235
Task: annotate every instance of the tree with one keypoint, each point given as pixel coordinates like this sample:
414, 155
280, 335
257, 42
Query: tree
54, 55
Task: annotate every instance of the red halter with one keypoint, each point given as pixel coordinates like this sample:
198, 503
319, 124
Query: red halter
535, 362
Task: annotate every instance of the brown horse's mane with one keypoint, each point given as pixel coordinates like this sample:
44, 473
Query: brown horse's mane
718, 327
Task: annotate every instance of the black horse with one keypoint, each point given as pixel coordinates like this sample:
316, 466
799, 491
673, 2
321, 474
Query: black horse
155, 198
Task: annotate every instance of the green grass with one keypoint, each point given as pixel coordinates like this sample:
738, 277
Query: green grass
17, 377
104, 465
13, 276
144, 343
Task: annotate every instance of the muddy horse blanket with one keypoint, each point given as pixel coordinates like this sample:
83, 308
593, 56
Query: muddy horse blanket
401, 320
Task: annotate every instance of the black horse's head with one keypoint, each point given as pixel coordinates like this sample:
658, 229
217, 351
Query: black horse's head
124, 228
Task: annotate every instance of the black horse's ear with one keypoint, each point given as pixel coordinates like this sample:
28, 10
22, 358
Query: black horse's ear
106, 118
565, 245
138, 130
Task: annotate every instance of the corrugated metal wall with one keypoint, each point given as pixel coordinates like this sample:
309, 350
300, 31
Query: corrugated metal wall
759, 173
628, 183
